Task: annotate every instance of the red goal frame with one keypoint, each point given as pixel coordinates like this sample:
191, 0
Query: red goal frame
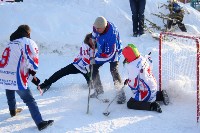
196, 39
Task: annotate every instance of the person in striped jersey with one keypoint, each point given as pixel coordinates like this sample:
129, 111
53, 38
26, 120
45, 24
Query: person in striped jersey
79, 66
141, 80
19, 63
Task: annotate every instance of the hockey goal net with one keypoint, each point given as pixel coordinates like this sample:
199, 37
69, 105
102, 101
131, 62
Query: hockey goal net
179, 61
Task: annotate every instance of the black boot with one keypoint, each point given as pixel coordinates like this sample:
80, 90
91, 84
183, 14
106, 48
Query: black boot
15, 112
165, 97
12, 113
135, 34
169, 25
45, 86
162, 96
44, 124
121, 98
155, 106
182, 27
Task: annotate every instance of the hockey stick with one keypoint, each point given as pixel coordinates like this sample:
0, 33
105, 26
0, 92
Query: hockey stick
91, 82
90, 85
106, 112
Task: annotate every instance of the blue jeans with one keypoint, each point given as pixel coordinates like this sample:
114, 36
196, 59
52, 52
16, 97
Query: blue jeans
28, 99
137, 8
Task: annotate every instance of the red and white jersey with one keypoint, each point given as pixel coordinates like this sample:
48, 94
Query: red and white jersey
82, 61
18, 57
141, 80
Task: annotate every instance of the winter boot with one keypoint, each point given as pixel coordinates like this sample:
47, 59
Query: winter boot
135, 34
141, 33
45, 86
155, 106
96, 93
15, 112
165, 97
44, 124
159, 96
182, 27
121, 98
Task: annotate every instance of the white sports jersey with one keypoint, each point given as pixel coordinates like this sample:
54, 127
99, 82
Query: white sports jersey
141, 80
18, 57
82, 61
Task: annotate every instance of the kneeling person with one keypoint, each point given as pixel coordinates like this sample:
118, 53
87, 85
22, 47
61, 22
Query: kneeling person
140, 80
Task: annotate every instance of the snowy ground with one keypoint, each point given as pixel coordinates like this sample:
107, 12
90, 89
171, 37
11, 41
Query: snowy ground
59, 28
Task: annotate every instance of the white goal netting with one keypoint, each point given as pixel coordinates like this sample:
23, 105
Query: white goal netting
179, 63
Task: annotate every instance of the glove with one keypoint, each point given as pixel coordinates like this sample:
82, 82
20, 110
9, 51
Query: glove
32, 72
124, 62
92, 61
35, 81
126, 81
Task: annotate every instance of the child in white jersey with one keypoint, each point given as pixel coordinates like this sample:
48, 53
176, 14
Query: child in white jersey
140, 80
80, 65
19, 63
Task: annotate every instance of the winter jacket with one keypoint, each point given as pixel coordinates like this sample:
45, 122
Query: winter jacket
141, 80
176, 11
109, 46
82, 61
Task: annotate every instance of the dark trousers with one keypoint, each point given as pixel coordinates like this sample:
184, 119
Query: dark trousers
114, 72
180, 25
137, 8
69, 69
28, 99
138, 105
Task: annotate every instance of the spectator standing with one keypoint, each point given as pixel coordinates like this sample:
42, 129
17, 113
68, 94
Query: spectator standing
138, 8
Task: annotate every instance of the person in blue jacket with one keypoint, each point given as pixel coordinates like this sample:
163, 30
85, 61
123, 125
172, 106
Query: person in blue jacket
109, 49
